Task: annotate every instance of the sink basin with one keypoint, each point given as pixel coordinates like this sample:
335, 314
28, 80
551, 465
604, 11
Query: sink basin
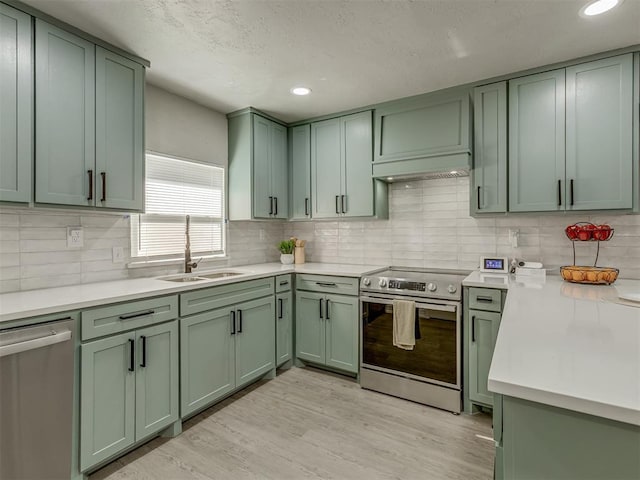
182, 279
215, 275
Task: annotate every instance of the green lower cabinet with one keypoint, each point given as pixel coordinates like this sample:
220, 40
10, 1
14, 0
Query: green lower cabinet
255, 339
310, 337
341, 329
224, 349
544, 442
484, 331
129, 390
284, 320
327, 330
207, 358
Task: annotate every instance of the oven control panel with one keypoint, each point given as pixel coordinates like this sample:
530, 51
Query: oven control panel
405, 285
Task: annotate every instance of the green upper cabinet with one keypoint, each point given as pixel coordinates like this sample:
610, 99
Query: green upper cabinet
89, 123
429, 133
341, 155
489, 174
300, 181
65, 117
571, 138
258, 167
599, 103
536, 142
119, 131
16, 105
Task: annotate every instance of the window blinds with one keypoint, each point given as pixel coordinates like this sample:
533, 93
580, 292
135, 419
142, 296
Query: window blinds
175, 188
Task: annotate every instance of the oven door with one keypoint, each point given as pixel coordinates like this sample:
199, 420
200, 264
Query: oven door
436, 355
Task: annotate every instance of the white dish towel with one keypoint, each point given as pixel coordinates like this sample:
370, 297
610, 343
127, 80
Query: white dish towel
404, 324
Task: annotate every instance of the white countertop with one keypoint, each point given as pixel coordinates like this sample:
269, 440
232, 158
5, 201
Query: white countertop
487, 280
571, 346
33, 303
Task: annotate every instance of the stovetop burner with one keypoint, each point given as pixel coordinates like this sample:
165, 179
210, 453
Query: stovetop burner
427, 283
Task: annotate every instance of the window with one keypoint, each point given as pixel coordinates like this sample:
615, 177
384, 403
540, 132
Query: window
175, 188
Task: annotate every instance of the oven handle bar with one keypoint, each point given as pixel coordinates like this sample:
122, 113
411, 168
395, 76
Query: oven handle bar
430, 306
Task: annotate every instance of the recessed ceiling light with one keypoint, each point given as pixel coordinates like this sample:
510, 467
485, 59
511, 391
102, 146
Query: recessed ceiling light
301, 91
599, 6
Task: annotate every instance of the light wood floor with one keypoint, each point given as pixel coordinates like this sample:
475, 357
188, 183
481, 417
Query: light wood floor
308, 424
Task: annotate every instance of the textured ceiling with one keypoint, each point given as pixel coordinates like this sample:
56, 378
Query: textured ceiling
232, 54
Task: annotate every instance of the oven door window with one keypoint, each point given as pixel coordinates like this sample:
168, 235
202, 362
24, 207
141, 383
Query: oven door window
434, 355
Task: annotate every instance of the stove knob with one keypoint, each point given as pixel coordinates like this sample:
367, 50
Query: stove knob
432, 287
382, 282
452, 289
366, 282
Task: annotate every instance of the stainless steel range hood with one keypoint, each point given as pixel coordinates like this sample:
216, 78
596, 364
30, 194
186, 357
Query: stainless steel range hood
439, 166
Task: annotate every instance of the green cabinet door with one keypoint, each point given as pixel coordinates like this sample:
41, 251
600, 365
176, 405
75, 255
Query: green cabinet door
119, 131
255, 339
300, 154
16, 105
107, 390
65, 117
537, 142
156, 378
326, 168
207, 358
482, 338
284, 340
341, 329
489, 173
279, 171
600, 134
310, 329
357, 156
262, 197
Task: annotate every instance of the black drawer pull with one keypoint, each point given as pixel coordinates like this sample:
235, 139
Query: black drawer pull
232, 315
326, 284
284, 282
280, 308
239, 321
473, 328
131, 355
134, 315
484, 299
144, 351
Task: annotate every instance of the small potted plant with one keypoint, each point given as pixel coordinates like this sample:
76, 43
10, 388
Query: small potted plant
286, 251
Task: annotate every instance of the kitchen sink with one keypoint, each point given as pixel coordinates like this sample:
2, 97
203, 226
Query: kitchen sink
181, 279
215, 275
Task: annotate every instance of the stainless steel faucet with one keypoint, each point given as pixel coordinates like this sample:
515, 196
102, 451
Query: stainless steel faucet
188, 264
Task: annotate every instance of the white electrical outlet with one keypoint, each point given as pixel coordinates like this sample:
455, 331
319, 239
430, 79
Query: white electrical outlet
118, 255
75, 237
262, 234
514, 236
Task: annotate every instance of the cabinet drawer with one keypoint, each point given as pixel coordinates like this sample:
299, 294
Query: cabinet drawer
283, 283
112, 319
485, 299
327, 284
216, 297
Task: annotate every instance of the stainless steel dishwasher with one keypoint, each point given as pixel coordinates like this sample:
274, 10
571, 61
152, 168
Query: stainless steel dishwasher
36, 401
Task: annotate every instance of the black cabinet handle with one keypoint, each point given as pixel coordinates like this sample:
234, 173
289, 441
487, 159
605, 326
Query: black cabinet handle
478, 199
144, 351
275, 209
473, 328
327, 308
131, 355
284, 282
320, 304
280, 308
239, 321
232, 315
90, 173
559, 192
337, 206
270, 205
342, 202
484, 299
104, 186
135, 315
571, 191
326, 284
306, 206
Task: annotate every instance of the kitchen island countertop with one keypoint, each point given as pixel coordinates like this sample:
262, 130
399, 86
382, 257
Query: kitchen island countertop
31, 303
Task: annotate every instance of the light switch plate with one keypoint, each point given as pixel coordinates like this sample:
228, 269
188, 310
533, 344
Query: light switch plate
75, 237
118, 255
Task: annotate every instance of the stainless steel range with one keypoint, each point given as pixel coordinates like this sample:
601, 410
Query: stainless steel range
430, 373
